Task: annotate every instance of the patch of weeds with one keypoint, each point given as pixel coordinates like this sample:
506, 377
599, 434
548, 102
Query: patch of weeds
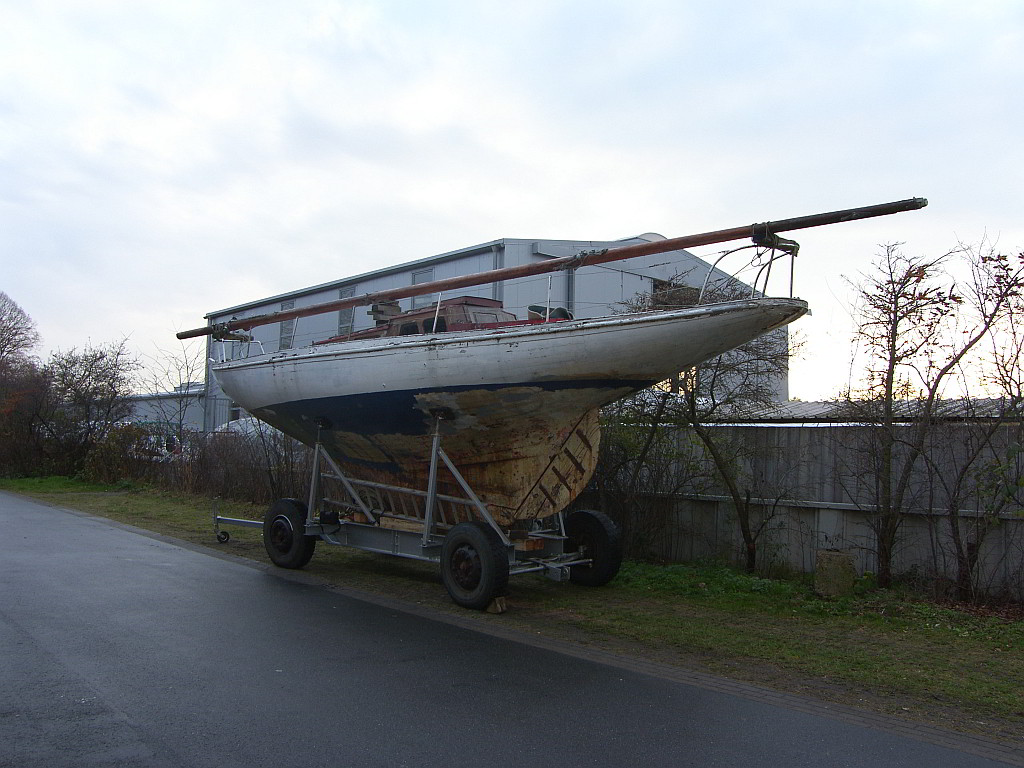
712, 582
53, 484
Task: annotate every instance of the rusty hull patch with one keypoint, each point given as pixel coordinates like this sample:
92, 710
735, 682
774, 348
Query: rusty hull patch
526, 451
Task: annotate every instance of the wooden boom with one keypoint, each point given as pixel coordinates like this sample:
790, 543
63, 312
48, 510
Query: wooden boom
762, 234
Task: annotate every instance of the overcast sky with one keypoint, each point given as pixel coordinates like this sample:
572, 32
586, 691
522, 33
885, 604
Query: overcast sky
160, 160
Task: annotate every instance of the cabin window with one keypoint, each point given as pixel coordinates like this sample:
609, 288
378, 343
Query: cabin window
419, 277
346, 317
287, 327
485, 317
408, 329
428, 325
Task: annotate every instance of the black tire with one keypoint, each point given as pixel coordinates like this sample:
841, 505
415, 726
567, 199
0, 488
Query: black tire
474, 565
284, 534
593, 535
223, 537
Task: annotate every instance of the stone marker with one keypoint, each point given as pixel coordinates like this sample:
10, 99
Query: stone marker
835, 573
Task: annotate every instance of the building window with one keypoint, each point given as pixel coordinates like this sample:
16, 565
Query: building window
418, 277
346, 317
287, 327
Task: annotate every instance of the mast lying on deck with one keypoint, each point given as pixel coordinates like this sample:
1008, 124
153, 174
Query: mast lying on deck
762, 234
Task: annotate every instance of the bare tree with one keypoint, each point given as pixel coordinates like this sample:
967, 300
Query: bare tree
919, 328
642, 459
23, 391
728, 388
731, 388
989, 478
182, 373
87, 394
18, 332
972, 469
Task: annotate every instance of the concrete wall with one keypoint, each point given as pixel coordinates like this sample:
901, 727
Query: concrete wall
825, 486
697, 528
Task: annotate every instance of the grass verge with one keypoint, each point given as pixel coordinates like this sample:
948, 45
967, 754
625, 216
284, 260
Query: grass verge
883, 651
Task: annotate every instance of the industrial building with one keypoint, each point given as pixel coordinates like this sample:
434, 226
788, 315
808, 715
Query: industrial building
180, 410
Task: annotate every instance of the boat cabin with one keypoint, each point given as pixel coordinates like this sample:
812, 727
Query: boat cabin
465, 313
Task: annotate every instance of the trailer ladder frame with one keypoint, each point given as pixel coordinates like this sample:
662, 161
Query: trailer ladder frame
413, 523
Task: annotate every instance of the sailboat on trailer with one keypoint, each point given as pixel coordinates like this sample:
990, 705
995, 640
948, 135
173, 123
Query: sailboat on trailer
516, 401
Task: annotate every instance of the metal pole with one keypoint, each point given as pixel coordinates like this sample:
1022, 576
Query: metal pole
480, 506
314, 482
428, 515
433, 328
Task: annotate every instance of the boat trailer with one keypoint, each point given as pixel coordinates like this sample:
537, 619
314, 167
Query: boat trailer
476, 555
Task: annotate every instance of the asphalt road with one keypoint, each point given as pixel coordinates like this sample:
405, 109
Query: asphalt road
121, 649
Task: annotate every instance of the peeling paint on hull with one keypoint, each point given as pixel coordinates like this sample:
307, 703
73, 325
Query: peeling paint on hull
523, 402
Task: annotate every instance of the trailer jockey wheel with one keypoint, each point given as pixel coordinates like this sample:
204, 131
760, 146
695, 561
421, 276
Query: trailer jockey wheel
594, 536
474, 565
284, 536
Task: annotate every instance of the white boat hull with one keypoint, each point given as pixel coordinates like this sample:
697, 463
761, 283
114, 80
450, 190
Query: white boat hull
518, 405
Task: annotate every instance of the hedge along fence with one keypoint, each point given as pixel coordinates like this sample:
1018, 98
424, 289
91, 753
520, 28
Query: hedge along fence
257, 466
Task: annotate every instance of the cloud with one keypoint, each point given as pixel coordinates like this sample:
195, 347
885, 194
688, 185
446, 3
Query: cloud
161, 160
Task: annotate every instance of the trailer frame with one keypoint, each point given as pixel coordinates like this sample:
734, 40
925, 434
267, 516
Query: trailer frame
475, 552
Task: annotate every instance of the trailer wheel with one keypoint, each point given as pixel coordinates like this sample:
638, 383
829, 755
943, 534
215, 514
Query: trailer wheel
284, 534
223, 537
593, 535
474, 565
